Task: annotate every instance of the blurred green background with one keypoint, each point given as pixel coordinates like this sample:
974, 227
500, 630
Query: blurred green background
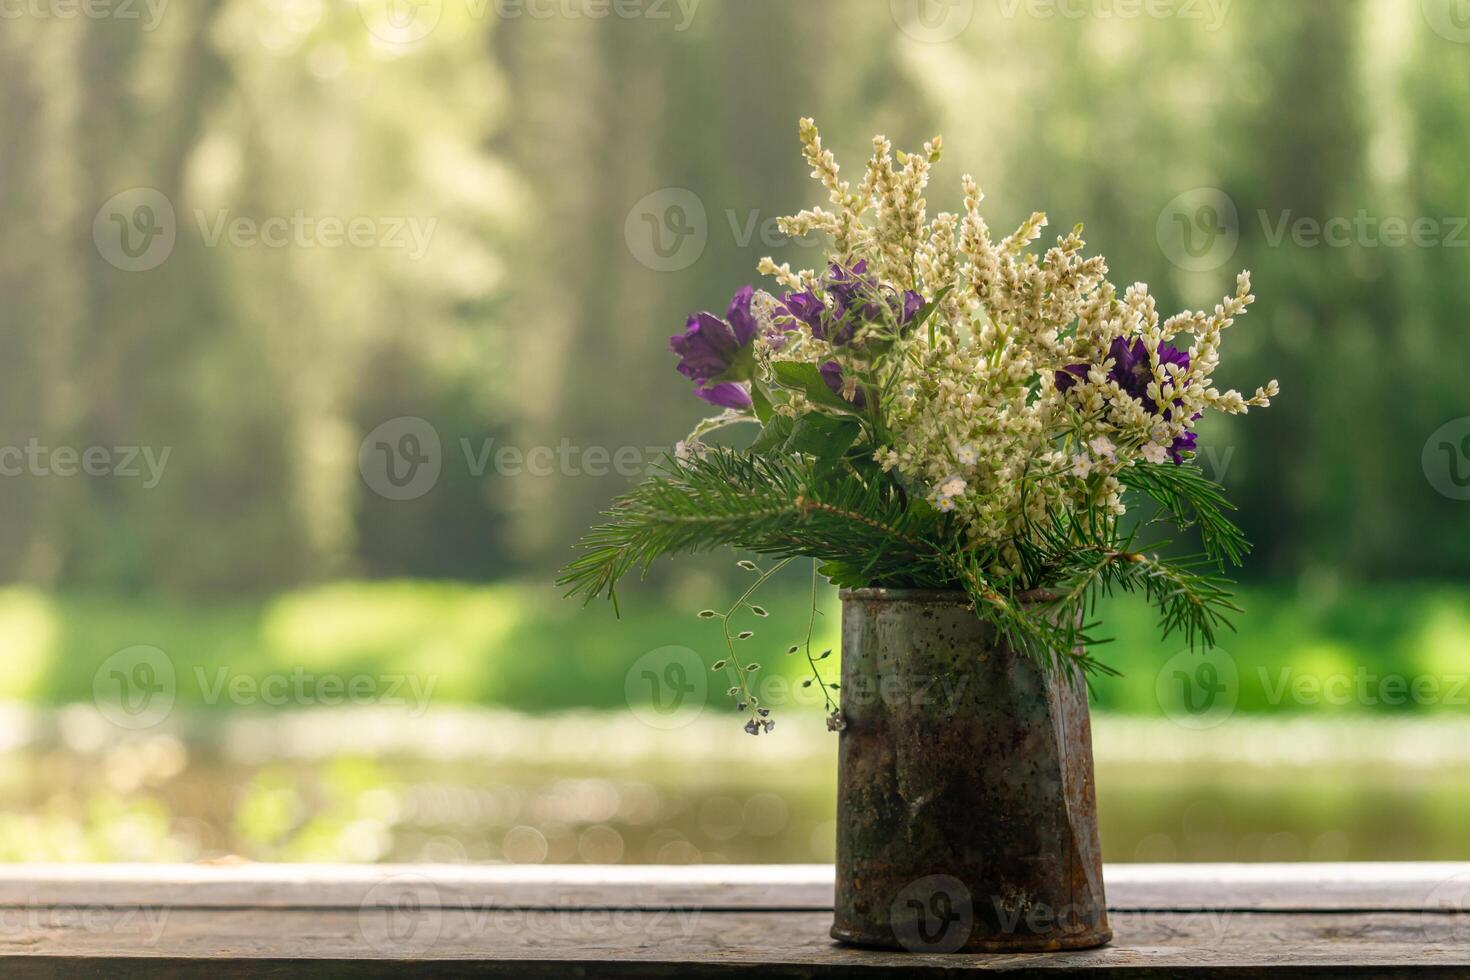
330, 325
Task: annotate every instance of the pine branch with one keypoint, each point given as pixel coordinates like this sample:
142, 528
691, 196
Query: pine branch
782, 507
1055, 640
787, 507
1192, 602
1191, 499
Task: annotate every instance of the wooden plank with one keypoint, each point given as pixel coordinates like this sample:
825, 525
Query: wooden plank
1288, 887
189, 943
1262, 887
791, 886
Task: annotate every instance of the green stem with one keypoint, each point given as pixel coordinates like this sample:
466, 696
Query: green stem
742, 676
811, 661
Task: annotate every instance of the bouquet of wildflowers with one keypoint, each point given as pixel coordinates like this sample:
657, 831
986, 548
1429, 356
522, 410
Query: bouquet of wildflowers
936, 409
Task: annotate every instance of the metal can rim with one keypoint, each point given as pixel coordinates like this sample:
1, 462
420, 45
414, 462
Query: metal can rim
954, 596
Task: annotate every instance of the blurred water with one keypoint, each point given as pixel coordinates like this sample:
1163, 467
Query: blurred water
476, 785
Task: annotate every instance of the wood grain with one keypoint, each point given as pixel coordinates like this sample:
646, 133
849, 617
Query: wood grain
1265, 887
303, 921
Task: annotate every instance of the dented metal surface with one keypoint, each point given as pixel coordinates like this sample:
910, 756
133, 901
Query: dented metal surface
966, 815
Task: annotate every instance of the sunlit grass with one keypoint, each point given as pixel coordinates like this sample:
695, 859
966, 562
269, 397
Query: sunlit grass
520, 645
28, 636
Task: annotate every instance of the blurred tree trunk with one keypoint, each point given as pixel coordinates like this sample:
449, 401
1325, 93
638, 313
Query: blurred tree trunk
1298, 155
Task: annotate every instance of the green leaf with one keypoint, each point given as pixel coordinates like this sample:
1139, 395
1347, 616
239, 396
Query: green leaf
807, 379
826, 437
842, 575
773, 436
928, 310
762, 403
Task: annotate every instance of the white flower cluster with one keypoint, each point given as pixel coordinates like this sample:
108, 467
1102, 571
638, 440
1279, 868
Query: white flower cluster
1031, 385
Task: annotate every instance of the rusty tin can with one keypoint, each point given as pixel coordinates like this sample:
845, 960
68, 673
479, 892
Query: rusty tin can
966, 813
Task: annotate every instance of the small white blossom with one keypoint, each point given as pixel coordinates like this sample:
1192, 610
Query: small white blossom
953, 487
1082, 465
966, 455
1103, 447
1155, 453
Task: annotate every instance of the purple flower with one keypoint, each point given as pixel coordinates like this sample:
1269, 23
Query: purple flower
1131, 369
724, 394
913, 303
831, 373
1133, 372
711, 348
706, 348
1182, 444
1068, 377
804, 307
853, 291
857, 299
740, 317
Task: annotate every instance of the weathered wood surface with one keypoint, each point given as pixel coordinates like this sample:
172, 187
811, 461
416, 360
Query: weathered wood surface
1221, 921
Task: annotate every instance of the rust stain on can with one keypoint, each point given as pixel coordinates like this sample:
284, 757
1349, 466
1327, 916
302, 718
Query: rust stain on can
966, 814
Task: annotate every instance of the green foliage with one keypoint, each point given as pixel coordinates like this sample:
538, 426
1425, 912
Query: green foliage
807, 379
1190, 499
777, 505
824, 437
870, 533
